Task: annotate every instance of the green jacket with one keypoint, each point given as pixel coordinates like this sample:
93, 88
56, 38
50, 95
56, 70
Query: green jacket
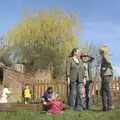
74, 71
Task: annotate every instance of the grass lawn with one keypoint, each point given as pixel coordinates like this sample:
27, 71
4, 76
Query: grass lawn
68, 115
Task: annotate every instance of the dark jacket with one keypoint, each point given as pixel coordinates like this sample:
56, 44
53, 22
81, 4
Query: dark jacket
74, 70
47, 96
89, 70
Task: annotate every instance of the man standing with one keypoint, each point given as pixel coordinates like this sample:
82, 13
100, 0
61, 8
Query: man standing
106, 73
87, 62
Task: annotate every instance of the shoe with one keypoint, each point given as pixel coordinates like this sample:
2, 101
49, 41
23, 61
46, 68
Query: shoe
85, 109
70, 108
89, 109
110, 109
104, 109
78, 109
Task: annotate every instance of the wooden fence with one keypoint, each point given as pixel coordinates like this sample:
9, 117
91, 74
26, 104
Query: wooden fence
38, 89
62, 89
115, 91
17, 80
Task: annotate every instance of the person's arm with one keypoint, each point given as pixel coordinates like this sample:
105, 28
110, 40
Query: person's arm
49, 99
109, 64
7, 91
43, 100
90, 58
46, 97
90, 72
68, 64
108, 61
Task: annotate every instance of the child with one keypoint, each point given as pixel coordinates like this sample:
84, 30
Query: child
46, 98
48, 94
27, 94
4, 96
56, 105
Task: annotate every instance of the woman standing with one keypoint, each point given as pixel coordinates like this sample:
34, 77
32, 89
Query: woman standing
87, 62
75, 74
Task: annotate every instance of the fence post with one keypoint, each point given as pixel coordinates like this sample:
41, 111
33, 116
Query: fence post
33, 91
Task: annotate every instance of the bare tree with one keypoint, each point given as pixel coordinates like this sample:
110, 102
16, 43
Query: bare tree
93, 50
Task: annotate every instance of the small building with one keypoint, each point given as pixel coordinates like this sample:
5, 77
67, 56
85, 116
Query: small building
19, 67
15, 78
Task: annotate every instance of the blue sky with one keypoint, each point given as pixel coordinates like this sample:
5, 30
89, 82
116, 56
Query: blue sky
100, 19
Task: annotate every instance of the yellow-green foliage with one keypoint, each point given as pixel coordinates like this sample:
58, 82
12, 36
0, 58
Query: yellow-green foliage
44, 38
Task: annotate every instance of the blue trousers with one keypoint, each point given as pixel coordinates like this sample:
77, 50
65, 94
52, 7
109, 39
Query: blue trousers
75, 95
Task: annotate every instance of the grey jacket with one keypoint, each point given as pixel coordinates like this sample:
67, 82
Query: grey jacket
106, 67
74, 71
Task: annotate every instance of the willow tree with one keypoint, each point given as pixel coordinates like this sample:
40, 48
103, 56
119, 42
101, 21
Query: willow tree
44, 39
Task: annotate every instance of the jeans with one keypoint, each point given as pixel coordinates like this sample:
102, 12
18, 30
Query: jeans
88, 95
75, 95
106, 92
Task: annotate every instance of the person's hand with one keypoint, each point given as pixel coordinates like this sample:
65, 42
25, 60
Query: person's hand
45, 103
84, 81
49, 99
68, 80
103, 68
42, 99
91, 81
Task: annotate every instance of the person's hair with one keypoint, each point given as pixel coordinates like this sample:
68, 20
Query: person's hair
49, 88
55, 96
83, 54
103, 50
73, 51
27, 84
5, 86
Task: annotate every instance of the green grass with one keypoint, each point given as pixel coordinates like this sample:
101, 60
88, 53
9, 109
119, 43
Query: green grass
68, 115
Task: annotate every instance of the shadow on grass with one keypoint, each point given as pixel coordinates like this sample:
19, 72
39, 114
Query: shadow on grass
96, 110
43, 112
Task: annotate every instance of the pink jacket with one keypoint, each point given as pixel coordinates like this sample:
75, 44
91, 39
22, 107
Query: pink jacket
56, 107
83, 88
83, 91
